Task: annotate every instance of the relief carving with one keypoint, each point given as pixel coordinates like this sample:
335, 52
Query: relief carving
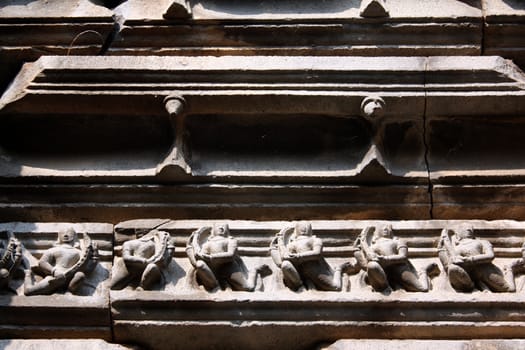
384, 258
143, 260
299, 255
64, 266
468, 262
10, 261
213, 254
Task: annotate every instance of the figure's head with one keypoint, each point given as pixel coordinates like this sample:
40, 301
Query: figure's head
303, 228
465, 231
384, 231
220, 230
67, 236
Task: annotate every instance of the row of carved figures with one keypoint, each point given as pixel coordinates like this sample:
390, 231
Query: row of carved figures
212, 251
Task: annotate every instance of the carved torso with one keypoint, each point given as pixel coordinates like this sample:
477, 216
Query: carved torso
301, 244
216, 245
385, 247
469, 247
144, 249
62, 257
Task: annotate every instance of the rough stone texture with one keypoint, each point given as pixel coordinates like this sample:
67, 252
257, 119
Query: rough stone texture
504, 29
60, 344
437, 114
30, 29
301, 27
61, 314
296, 120
359, 344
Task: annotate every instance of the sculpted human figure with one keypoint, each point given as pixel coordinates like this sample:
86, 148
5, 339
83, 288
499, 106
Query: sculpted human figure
143, 260
300, 258
63, 266
213, 254
10, 260
468, 263
384, 258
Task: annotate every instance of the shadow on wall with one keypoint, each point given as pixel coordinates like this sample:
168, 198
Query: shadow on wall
473, 3
110, 4
515, 4
252, 7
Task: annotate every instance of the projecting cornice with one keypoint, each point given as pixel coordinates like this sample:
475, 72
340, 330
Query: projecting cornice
260, 118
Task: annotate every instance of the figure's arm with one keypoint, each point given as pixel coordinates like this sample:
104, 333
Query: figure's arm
169, 253
314, 253
400, 257
46, 263
485, 257
229, 253
128, 254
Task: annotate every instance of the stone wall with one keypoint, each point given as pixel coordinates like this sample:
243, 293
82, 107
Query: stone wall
349, 115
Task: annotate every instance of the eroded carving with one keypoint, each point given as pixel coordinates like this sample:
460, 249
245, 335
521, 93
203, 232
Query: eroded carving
373, 107
213, 254
373, 8
10, 260
143, 260
468, 262
384, 258
299, 255
64, 266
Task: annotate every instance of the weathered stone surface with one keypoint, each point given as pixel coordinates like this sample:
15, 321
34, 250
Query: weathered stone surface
360, 344
273, 315
30, 29
61, 344
61, 314
311, 27
435, 115
263, 202
504, 30
489, 201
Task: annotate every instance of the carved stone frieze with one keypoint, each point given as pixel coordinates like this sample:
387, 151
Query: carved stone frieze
307, 310
298, 253
384, 258
64, 266
56, 287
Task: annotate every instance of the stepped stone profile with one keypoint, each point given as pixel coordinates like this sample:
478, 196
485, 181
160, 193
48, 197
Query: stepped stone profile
262, 174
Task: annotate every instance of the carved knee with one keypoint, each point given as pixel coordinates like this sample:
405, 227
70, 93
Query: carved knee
459, 278
376, 276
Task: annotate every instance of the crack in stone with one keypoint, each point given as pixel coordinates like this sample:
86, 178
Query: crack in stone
430, 187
